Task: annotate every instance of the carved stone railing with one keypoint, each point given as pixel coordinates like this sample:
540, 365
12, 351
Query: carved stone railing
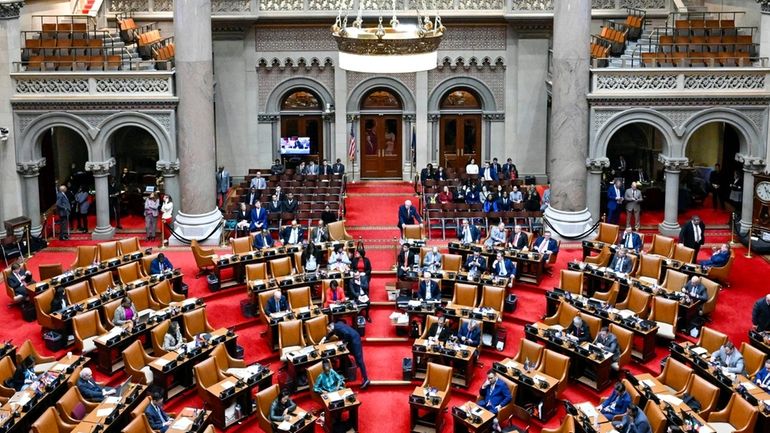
92, 85
677, 81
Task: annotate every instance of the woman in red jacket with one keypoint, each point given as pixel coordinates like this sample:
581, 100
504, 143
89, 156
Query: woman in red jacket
335, 294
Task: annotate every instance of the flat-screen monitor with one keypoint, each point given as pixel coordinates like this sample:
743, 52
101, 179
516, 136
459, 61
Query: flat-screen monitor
295, 145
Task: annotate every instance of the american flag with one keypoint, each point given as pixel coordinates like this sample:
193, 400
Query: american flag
352, 145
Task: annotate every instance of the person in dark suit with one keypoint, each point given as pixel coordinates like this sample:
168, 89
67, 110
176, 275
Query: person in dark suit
621, 263
762, 378
519, 239
258, 217
293, 235
631, 240
617, 403
319, 234
468, 234
509, 170
328, 216
262, 240
290, 205
496, 165
251, 197
91, 390
158, 418
760, 314
279, 193
503, 266
488, 173
476, 263
224, 182
407, 214
579, 329
406, 260
160, 264
609, 342
634, 421
614, 201
469, 333
429, 289
277, 303
359, 289
494, 393
24, 375
361, 263
338, 167
546, 245
719, 257
275, 205
59, 301
427, 173
277, 168
695, 290
18, 280
63, 209
325, 169
353, 340
716, 187
692, 234
440, 330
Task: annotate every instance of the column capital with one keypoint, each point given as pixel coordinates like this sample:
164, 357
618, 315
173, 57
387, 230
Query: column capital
10, 10
100, 168
750, 163
409, 117
764, 6
30, 168
167, 168
494, 117
597, 164
673, 164
352, 117
434, 117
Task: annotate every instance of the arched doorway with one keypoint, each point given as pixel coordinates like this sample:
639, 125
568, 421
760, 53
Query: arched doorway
301, 126
66, 154
460, 130
381, 134
136, 154
711, 144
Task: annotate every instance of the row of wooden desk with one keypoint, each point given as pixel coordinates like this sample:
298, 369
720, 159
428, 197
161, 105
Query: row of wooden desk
530, 265
460, 357
535, 389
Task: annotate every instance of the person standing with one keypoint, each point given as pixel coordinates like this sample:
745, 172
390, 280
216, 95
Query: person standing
716, 181
63, 209
352, 339
81, 200
407, 214
167, 214
614, 200
633, 199
223, 185
116, 194
151, 206
736, 192
760, 314
692, 234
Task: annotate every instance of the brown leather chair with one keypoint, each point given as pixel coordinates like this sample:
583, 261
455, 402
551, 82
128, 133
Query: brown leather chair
608, 233
207, 374
637, 301
86, 256
753, 359
529, 351
86, 327
571, 281
738, 416
129, 273
429, 321
684, 254
315, 328
632, 392
43, 310
313, 372
675, 375
49, 270
264, 399
567, 426
69, 400
440, 377
299, 297
241, 245
674, 281
594, 324
195, 322
703, 391
130, 245
223, 359
281, 267
290, 336
163, 293
464, 295
413, 231
492, 297
712, 288
555, 365
337, 231
142, 299
649, 269
78, 292
7, 369
101, 282
146, 263
665, 312
108, 250
72, 381
601, 259
610, 296
625, 345
140, 408
204, 258
15, 299
50, 422
711, 339
451, 262
256, 271
137, 362
662, 246
655, 416
28, 350
722, 273
109, 312
157, 334
563, 317
262, 299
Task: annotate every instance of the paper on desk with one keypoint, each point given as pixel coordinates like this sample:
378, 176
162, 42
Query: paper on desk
161, 362
540, 378
101, 413
182, 424
699, 351
189, 301
511, 364
587, 408
625, 313
240, 373
58, 367
705, 429
670, 399
648, 382
227, 385
112, 400
303, 310
749, 386
284, 426
334, 396
394, 315
557, 327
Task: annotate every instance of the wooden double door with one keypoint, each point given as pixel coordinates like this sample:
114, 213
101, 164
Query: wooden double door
381, 146
460, 140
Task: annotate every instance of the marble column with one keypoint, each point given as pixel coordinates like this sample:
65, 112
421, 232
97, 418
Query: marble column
568, 144
170, 172
422, 148
198, 216
594, 186
751, 166
29, 172
671, 169
101, 171
764, 50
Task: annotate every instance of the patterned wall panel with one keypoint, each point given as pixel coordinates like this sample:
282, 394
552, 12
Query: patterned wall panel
356, 77
493, 78
286, 38
491, 37
269, 78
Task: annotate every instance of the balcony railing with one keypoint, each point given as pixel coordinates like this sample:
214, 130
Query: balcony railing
93, 85
667, 82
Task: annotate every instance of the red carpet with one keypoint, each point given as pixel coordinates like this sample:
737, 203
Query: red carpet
374, 205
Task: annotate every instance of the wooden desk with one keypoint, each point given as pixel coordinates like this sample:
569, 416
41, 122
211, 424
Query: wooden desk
237, 263
672, 406
530, 265
301, 359
472, 418
84, 427
190, 420
230, 391
113, 412
534, 387
425, 413
299, 422
590, 420
336, 404
461, 358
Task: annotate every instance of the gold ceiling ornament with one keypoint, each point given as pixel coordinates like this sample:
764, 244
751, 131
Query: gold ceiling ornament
396, 48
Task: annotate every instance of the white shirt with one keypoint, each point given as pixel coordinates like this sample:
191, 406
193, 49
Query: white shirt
472, 169
488, 173
293, 236
167, 209
696, 232
543, 246
467, 235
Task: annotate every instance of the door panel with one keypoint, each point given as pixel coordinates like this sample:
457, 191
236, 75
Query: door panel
381, 146
460, 140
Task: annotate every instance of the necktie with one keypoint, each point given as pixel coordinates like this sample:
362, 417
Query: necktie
619, 265
516, 240
293, 237
629, 241
766, 380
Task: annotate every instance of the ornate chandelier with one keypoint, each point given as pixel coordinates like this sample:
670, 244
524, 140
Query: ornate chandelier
399, 48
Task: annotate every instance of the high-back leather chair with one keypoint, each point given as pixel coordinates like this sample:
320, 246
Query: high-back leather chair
195, 322
684, 254
337, 231
77, 292
69, 400
50, 270
109, 312
529, 351
256, 271
290, 336
492, 297
655, 416
649, 269
625, 345
140, 408
86, 256
665, 312
413, 231
465, 295
313, 372
87, 327
601, 259
674, 281
129, 273
264, 399
128, 246
610, 296
712, 289
137, 363
299, 297
280, 267
637, 301
146, 263
223, 359
157, 334
571, 281
608, 233
555, 365
429, 321
107, 250
315, 328
440, 377
262, 298
142, 299
506, 412
564, 315
703, 391
753, 359
28, 350
738, 416
711, 339
567, 426
139, 424
594, 324
15, 299
204, 258
675, 375
451, 262
50, 422
241, 245
7, 369
101, 282
662, 246
163, 293
43, 310
721, 274
206, 375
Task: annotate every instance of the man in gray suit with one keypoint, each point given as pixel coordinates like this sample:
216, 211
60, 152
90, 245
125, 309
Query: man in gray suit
63, 208
633, 199
223, 184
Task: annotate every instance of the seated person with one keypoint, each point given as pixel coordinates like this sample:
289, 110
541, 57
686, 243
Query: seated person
609, 342
429, 289
328, 216
59, 301
719, 257
359, 289
634, 421
621, 263
579, 329
762, 379
468, 234
695, 290
311, 255
319, 234
334, 294
258, 217
516, 196
616, 404
275, 205
277, 303
476, 263
405, 261
293, 235
432, 260
494, 393
631, 240
262, 240
290, 205
281, 407
503, 267
158, 418
160, 264
18, 280
91, 390
277, 168
329, 380
125, 313
440, 330
496, 235
545, 245
490, 204
173, 339
519, 239
730, 359
469, 333
339, 260
24, 375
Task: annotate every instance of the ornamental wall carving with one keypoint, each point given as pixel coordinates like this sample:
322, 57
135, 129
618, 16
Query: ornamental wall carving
491, 73
477, 38
272, 72
288, 38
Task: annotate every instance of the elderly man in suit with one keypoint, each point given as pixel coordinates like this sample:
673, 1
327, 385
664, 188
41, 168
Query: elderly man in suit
319, 234
631, 240
633, 198
277, 303
90, 389
621, 263
293, 235
407, 214
468, 233
719, 257
579, 329
494, 393
469, 333
692, 234
432, 260
614, 200
496, 235
429, 290
488, 173
440, 330
695, 289
223, 184
609, 342
519, 239
545, 245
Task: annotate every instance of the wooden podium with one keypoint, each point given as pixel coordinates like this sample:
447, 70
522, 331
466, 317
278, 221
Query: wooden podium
14, 224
